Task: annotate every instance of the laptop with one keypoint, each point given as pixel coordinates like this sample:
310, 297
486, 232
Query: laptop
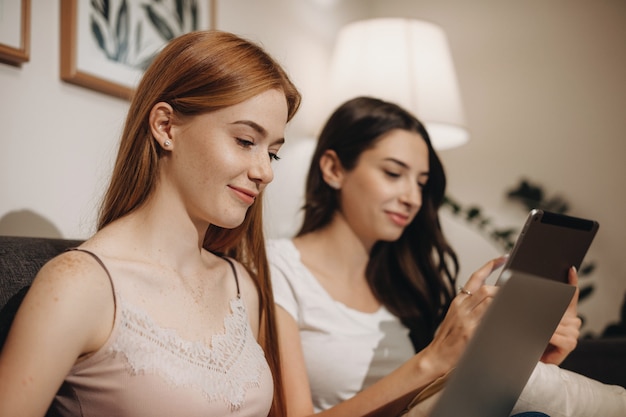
505, 348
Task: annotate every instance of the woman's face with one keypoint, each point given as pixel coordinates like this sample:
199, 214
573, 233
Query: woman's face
383, 193
220, 161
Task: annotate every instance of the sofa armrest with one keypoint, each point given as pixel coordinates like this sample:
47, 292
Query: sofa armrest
22, 257
603, 359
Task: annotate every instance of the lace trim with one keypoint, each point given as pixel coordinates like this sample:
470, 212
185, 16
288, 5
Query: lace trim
225, 371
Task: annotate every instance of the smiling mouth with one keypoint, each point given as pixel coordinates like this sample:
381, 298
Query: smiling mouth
244, 195
399, 219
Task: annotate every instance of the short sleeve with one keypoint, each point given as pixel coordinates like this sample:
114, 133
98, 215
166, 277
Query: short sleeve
281, 272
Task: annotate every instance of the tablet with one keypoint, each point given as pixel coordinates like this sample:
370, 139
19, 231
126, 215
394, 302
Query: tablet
505, 348
549, 244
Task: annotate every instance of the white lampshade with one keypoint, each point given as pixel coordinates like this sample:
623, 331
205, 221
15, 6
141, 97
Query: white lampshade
404, 61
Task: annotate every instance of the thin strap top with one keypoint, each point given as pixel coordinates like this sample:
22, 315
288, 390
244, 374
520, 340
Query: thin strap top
232, 266
145, 370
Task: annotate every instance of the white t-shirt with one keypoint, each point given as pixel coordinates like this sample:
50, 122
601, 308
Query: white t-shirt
345, 350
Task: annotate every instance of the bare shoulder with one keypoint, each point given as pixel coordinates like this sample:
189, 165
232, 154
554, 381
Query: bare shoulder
73, 272
74, 290
66, 314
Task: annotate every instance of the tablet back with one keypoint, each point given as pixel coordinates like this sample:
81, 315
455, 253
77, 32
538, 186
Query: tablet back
505, 348
550, 243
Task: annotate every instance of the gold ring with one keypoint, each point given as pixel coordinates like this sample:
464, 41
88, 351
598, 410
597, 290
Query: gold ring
464, 291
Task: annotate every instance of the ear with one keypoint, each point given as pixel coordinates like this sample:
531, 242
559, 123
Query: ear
160, 124
332, 170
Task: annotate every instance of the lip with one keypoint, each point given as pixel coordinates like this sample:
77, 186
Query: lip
399, 219
245, 195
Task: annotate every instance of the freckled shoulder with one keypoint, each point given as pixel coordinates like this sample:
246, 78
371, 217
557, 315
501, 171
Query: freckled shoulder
74, 283
71, 295
74, 269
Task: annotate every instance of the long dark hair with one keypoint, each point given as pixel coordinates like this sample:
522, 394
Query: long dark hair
413, 276
197, 73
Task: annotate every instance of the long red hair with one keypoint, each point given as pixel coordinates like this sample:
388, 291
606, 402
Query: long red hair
197, 73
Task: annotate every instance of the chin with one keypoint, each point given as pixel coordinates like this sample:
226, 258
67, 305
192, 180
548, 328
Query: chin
231, 223
391, 235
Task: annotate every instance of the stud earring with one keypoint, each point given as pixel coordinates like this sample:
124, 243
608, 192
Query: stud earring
334, 185
167, 143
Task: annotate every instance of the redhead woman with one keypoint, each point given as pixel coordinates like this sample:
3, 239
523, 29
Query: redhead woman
167, 309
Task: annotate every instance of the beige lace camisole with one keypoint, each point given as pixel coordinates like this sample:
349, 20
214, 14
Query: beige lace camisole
146, 370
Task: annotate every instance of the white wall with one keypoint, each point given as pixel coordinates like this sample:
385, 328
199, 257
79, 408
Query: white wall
57, 139
542, 83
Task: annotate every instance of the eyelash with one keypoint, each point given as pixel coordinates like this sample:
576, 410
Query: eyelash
246, 144
396, 175
274, 157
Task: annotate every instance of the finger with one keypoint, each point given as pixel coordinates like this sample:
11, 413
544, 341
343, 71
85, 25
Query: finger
462, 319
572, 312
570, 333
554, 355
569, 325
563, 343
479, 301
566, 334
478, 278
573, 280
573, 276
467, 310
461, 310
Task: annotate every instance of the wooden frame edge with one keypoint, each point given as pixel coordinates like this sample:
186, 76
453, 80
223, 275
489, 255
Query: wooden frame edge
18, 56
69, 69
69, 45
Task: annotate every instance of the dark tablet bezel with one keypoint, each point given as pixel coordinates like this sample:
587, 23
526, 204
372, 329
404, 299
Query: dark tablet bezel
550, 243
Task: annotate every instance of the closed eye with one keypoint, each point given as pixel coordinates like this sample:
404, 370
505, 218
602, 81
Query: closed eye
244, 143
248, 144
274, 156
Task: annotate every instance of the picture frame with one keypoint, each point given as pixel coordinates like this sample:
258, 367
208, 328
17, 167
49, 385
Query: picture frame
14, 31
107, 45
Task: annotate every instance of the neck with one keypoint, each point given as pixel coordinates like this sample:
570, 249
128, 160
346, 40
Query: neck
338, 246
160, 231
338, 260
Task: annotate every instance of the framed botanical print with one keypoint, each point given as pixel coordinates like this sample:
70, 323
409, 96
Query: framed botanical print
106, 45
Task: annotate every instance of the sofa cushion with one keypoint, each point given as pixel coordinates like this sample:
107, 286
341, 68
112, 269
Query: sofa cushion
603, 359
7, 313
22, 257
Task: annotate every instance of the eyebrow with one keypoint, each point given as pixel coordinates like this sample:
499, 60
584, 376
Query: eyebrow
258, 128
404, 165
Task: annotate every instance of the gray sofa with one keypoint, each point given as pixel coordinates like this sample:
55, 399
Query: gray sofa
603, 359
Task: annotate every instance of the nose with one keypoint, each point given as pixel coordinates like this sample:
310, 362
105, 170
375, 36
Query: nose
260, 170
412, 196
